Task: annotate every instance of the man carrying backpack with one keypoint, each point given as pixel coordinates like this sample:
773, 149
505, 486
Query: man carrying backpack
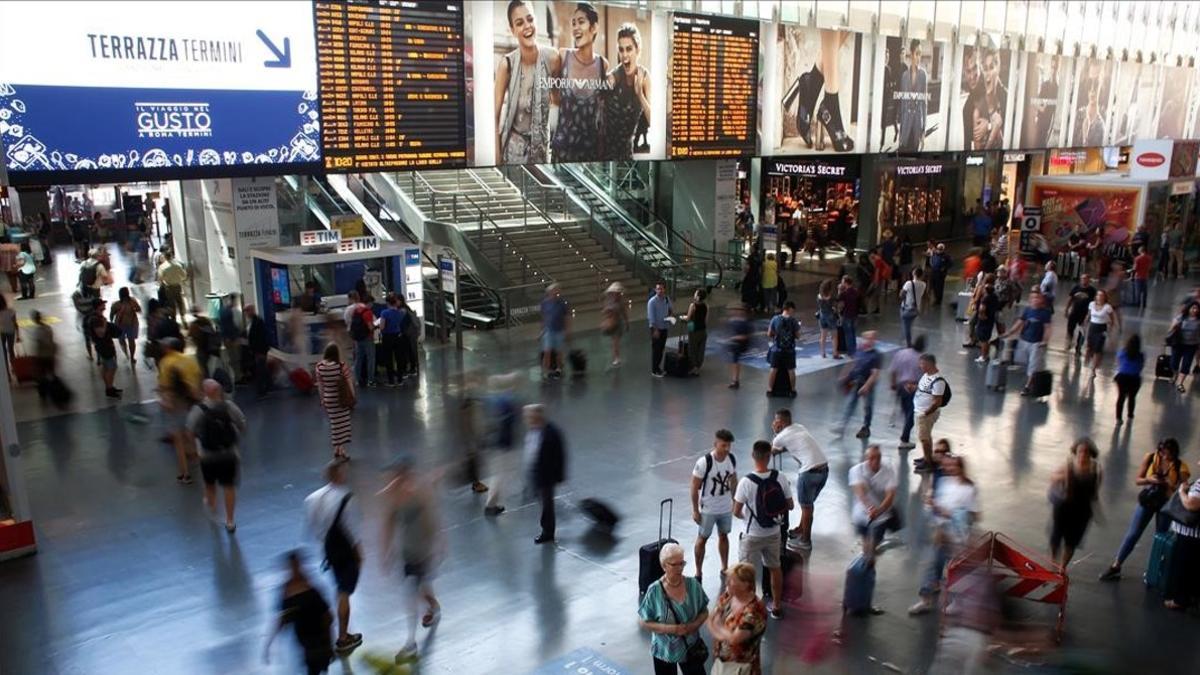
94, 274
763, 499
932, 394
781, 333
713, 480
217, 425
335, 521
361, 323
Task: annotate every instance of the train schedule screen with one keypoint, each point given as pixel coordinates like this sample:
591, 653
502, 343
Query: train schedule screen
714, 86
391, 83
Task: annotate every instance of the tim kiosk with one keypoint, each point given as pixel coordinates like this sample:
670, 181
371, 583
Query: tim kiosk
335, 265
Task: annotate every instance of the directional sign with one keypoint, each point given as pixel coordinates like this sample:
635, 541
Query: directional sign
447, 267
1031, 228
320, 237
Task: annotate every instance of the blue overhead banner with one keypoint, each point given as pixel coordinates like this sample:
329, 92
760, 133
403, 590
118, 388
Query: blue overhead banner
90, 90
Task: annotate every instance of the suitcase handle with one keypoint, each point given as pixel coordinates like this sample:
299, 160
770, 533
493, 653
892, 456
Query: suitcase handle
663, 507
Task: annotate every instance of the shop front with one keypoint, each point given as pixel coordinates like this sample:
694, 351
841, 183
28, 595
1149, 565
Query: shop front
813, 202
916, 198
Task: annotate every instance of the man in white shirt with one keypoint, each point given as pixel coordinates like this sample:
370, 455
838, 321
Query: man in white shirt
874, 484
342, 548
910, 302
1049, 285
713, 480
795, 440
761, 540
927, 407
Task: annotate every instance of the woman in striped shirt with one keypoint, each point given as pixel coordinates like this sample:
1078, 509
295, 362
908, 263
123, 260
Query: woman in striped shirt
336, 389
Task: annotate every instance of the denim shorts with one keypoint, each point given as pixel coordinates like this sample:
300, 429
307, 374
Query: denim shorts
723, 521
553, 341
810, 484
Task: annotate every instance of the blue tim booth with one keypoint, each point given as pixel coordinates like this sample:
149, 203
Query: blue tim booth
336, 266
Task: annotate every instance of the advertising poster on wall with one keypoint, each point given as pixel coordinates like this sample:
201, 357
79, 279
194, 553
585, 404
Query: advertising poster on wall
1107, 212
1089, 104
820, 83
911, 76
1172, 111
572, 83
1134, 103
257, 223
979, 115
117, 93
1046, 104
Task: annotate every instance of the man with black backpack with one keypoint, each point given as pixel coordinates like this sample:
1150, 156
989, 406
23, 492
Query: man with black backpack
763, 499
218, 424
360, 321
932, 394
713, 480
335, 521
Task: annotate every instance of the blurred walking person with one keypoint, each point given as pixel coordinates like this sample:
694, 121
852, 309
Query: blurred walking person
335, 520
218, 424
124, 314
303, 607
546, 457
505, 460
1074, 491
336, 389
411, 543
953, 506
614, 319
1130, 362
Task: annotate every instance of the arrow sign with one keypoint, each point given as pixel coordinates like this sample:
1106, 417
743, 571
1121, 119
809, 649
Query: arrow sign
283, 59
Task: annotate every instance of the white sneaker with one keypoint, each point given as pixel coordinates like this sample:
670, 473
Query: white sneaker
981, 360
922, 607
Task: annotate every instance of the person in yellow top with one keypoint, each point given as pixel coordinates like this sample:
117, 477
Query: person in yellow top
171, 275
1159, 476
179, 378
770, 282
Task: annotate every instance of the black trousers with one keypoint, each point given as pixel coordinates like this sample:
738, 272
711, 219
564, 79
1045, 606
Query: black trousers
546, 492
938, 281
657, 346
27, 285
395, 355
1127, 390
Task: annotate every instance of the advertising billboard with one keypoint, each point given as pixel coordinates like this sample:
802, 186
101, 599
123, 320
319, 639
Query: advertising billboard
914, 90
1173, 107
1045, 111
980, 119
121, 91
572, 83
1134, 103
820, 82
1107, 212
1089, 105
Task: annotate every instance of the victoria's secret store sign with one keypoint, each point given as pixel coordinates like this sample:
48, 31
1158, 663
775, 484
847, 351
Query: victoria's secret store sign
812, 168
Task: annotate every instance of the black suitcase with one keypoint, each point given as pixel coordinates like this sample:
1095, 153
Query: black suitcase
676, 363
1041, 384
578, 361
600, 513
1162, 367
649, 568
58, 393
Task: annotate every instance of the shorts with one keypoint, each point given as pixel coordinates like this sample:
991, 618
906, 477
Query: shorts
419, 569
129, 332
783, 359
737, 351
827, 321
809, 485
755, 549
220, 468
925, 423
345, 575
983, 330
554, 341
723, 521
1096, 336
1033, 354
108, 362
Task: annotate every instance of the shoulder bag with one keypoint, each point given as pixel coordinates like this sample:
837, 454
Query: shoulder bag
697, 652
345, 395
1175, 510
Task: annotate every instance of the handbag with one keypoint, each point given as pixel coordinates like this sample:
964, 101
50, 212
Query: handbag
1173, 338
1153, 497
1175, 510
697, 652
345, 395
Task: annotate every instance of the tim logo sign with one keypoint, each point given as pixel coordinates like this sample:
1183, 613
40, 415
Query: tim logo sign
173, 120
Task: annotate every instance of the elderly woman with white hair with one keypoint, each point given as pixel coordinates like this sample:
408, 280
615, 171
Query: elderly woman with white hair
614, 318
673, 610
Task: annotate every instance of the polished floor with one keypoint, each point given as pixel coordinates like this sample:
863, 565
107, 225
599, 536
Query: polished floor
132, 578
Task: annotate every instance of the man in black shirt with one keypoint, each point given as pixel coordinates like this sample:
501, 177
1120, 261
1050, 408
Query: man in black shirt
103, 333
1082, 294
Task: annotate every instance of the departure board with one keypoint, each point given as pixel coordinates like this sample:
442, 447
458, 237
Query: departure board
392, 84
714, 86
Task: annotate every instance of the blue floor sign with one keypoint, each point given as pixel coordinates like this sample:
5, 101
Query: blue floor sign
808, 348
582, 661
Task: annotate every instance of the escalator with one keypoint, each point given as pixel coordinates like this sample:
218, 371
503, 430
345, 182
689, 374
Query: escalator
610, 218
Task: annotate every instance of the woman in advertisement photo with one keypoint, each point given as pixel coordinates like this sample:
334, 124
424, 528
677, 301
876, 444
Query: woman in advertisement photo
628, 105
913, 101
580, 91
814, 95
523, 80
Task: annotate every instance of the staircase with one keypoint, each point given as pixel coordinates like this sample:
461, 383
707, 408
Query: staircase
579, 264
487, 188
654, 256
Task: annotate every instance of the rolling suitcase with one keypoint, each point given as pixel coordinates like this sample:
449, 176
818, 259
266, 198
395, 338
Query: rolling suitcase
1162, 367
58, 393
1009, 354
997, 375
649, 568
600, 513
301, 379
578, 361
1041, 384
860, 587
1158, 567
962, 304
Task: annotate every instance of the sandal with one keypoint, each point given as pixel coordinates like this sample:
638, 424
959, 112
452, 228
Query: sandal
1181, 388
430, 618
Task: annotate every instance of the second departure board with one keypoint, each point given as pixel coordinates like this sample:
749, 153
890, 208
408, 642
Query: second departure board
392, 84
714, 86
